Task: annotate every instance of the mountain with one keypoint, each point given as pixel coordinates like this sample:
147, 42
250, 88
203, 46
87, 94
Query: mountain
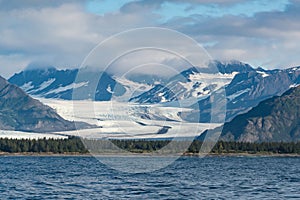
244, 87
248, 89
53, 83
192, 88
193, 83
20, 112
275, 119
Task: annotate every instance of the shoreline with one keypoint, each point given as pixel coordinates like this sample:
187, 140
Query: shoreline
76, 154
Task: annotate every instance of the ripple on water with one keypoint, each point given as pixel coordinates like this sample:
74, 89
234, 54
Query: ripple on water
187, 178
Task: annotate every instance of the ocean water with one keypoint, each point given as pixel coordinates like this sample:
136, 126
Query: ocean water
25, 177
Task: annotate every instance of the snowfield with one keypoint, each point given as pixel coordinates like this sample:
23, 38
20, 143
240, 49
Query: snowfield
26, 135
120, 120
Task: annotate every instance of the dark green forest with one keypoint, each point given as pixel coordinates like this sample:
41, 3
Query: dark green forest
75, 145
42, 145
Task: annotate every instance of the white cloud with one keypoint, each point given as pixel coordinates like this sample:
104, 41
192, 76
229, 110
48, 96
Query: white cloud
62, 33
59, 36
10, 64
269, 39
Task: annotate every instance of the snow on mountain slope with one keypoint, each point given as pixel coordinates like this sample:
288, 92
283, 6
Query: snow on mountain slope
190, 83
65, 88
263, 74
202, 84
30, 87
194, 83
132, 88
248, 89
59, 84
53, 83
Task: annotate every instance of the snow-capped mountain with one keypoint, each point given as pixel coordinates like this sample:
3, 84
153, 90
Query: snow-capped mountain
244, 86
248, 89
59, 84
191, 83
194, 83
53, 83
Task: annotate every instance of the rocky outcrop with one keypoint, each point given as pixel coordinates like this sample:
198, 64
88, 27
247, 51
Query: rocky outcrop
275, 119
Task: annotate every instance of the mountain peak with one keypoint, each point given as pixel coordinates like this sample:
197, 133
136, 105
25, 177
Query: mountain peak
228, 67
187, 72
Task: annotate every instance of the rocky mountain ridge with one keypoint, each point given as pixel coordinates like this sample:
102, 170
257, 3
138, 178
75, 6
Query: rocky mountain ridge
20, 112
275, 119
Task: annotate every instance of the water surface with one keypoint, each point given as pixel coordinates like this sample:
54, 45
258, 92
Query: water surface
25, 177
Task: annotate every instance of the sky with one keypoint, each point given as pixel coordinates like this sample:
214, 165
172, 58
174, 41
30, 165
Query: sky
263, 33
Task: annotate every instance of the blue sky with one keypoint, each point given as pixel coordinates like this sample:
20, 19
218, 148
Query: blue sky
169, 10
61, 33
177, 9
101, 7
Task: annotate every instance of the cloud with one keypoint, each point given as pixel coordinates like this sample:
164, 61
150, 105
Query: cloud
143, 46
7, 5
9, 64
62, 33
267, 39
59, 35
168, 10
